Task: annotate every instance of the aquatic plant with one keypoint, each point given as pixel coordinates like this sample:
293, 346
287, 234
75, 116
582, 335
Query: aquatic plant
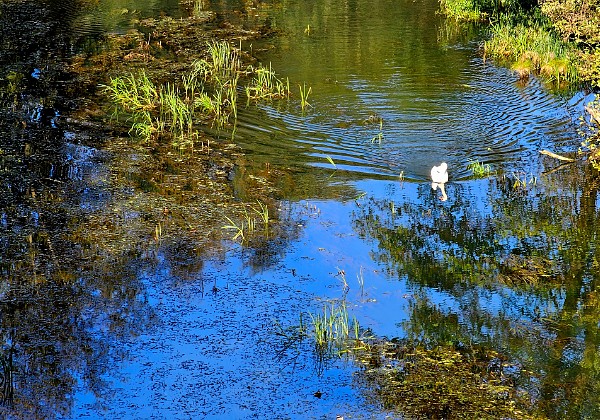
238, 228
207, 92
330, 160
174, 110
379, 137
523, 180
332, 329
479, 169
224, 62
133, 92
304, 96
250, 224
263, 213
532, 47
266, 85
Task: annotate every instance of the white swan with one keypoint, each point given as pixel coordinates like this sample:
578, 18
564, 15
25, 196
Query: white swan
439, 176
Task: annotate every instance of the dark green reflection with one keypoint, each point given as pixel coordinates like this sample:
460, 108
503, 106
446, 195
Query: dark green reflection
511, 267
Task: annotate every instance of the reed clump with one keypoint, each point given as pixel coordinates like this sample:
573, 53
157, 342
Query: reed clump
479, 169
207, 93
252, 223
333, 331
532, 48
266, 85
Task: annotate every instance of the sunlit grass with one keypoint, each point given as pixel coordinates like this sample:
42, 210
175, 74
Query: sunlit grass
250, 224
479, 169
332, 329
206, 93
266, 85
532, 48
304, 93
463, 10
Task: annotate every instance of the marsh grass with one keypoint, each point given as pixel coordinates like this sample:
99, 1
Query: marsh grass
133, 93
206, 93
254, 222
224, 62
304, 93
332, 330
532, 48
479, 169
266, 85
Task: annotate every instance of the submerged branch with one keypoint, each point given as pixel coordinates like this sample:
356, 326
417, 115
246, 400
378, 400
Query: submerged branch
556, 156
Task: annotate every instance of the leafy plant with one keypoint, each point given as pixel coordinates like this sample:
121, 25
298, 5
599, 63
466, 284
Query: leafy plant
479, 169
266, 85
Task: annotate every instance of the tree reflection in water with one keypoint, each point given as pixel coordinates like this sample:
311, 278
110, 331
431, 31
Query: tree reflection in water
66, 291
510, 267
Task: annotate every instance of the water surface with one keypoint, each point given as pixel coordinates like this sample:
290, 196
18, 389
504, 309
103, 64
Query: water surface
151, 329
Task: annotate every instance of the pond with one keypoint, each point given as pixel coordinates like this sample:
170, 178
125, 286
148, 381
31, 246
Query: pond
152, 329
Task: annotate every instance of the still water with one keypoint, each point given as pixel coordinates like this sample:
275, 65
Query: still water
509, 261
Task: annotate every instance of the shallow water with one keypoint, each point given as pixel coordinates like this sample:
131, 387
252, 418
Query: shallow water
160, 331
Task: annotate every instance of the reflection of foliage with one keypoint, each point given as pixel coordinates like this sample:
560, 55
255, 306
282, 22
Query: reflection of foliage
591, 132
443, 382
516, 270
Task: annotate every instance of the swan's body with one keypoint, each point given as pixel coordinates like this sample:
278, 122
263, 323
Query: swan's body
439, 176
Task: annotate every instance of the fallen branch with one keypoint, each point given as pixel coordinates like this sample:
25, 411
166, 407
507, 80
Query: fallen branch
555, 156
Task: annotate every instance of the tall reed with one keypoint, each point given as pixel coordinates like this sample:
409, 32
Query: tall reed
532, 49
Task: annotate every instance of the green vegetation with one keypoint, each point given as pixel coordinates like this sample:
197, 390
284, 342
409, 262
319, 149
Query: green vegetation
532, 48
418, 380
249, 225
591, 132
266, 85
558, 40
463, 10
332, 329
207, 92
304, 96
479, 169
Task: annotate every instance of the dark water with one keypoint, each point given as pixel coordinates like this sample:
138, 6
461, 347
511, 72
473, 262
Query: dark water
140, 329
